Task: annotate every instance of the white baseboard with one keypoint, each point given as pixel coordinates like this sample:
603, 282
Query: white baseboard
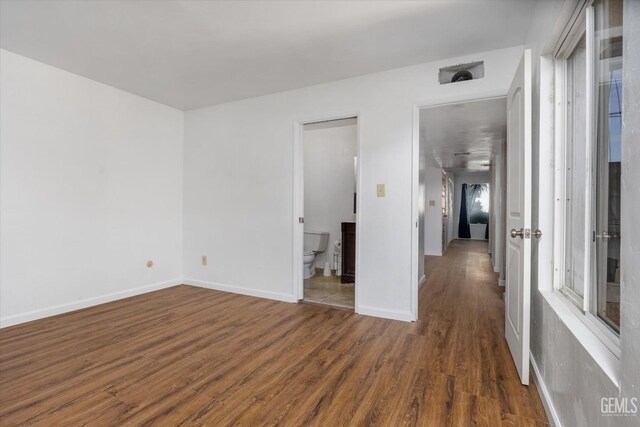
385, 314
552, 415
84, 303
434, 253
422, 280
502, 282
243, 291
364, 310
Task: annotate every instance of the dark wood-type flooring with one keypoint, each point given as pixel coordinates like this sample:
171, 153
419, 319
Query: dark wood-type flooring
192, 356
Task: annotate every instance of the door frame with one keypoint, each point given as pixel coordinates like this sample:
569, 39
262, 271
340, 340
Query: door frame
298, 200
415, 174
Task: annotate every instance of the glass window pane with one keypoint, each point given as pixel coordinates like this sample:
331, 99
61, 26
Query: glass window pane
478, 203
608, 98
576, 169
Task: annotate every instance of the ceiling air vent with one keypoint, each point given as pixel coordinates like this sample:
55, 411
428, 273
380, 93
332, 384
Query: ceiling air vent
461, 72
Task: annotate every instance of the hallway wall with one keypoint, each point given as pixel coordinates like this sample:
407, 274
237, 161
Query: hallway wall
450, 207
422, 161
433, 214
498, 211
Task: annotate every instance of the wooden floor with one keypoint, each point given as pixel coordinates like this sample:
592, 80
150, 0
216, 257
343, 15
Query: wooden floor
191, 356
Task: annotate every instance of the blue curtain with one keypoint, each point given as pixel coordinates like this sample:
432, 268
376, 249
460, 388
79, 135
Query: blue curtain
464, 231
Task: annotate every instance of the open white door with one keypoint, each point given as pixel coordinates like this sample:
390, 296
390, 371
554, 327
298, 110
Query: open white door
518, 266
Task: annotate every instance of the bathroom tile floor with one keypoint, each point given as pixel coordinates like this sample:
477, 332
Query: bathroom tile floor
329, 291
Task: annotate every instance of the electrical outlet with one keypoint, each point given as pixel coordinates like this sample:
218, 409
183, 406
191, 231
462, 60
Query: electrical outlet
204, 260
380, 190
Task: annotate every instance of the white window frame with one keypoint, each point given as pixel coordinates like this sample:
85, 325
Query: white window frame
580, 307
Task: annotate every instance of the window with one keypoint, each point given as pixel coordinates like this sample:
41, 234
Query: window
607, 82
589, 73
575, 152
478, 203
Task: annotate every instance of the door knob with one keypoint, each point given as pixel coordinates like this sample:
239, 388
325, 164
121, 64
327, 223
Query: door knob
515, 233
537, 234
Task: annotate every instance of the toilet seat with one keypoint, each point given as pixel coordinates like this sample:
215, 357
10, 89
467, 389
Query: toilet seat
307, 253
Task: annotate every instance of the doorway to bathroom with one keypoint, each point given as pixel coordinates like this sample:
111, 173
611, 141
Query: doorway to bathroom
328, 160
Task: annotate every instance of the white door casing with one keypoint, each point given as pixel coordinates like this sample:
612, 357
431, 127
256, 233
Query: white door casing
518, 265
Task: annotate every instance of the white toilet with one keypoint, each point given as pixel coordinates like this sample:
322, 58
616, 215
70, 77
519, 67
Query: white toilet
314, 242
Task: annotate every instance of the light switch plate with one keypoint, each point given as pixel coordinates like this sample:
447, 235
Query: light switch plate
380, 190
204, 260
432, 202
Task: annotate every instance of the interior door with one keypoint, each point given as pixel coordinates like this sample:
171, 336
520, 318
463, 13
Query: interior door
518, 266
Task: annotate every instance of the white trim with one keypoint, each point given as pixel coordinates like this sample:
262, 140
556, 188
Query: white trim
559, 214
588, 202
546, 174
298, 201
569, 314
405, 316
421, 281
552, 415
358, 277
242, 291
456, 99
83, 303
572, 15
415, 213
297, 243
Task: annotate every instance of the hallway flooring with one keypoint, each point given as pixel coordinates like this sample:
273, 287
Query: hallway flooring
193, 356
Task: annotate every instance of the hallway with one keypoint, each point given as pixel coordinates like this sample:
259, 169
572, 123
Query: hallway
461, 310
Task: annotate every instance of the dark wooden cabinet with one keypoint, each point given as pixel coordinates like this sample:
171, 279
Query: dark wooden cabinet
348, 252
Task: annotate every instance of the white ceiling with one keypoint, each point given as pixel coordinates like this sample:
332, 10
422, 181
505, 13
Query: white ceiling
478, 128
190, 54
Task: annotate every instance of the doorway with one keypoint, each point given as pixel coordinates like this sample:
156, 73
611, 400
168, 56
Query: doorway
464, 147
328, 196
484, 134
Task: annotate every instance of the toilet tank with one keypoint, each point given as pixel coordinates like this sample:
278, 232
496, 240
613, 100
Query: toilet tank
315, 240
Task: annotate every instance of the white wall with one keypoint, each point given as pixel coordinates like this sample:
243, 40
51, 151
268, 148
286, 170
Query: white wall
433, 214
329, 182
421, 209
571, 379
460, 178
497, 211
239, 179
91, 185
451, 194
